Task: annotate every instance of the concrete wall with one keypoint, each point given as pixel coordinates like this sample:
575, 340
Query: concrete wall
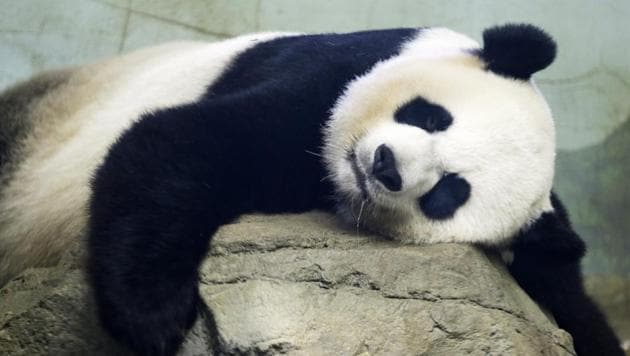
588, 86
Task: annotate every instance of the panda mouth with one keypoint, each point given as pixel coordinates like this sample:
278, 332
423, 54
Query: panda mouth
360, 176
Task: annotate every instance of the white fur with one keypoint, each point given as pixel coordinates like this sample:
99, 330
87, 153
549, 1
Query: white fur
439, 43
43, 208
502, 142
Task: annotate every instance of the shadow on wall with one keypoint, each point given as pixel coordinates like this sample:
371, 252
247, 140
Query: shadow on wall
594, 184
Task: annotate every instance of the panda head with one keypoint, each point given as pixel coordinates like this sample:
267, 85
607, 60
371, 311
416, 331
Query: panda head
447, 141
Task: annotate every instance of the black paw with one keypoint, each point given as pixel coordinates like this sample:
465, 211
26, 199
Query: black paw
148, 323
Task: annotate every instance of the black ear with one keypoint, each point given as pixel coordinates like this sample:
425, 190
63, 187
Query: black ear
517, 50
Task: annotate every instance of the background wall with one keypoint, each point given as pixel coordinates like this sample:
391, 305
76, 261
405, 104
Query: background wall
588, 86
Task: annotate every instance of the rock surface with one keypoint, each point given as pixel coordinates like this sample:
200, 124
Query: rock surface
300, 285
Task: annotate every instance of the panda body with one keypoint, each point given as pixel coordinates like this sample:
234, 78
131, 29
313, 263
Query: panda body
420, 134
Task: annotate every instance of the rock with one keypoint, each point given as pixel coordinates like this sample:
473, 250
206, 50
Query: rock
300, 285
47, 312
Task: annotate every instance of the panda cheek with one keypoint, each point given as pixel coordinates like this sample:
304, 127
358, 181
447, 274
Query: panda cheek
442, 201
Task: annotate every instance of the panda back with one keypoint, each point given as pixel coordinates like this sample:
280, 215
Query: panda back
57, 127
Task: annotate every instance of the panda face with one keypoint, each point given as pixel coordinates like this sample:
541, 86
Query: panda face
438, 148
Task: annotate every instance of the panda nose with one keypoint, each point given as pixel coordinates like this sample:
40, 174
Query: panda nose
384, 168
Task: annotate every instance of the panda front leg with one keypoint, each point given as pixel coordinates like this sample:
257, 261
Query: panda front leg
146, 286
547, 266
156, 201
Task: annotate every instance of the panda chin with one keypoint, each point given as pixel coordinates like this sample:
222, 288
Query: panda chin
359, 175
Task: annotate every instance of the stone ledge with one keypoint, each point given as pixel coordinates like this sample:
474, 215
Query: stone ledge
300, 285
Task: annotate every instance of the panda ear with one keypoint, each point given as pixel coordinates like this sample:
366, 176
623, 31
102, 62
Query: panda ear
517, 50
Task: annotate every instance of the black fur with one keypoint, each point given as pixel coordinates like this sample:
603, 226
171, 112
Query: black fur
178, 174
448, 194
547, 266
425, 115
517, 50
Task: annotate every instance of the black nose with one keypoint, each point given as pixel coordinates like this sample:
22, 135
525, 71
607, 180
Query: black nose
384, 168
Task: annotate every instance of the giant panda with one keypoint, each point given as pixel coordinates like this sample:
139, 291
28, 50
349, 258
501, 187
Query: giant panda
418, 134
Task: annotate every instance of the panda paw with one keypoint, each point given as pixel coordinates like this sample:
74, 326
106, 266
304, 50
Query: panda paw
156, 327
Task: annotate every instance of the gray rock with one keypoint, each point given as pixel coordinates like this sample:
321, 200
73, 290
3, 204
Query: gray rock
300, 285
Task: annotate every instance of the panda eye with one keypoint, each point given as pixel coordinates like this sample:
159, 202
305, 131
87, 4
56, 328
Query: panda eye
425, 115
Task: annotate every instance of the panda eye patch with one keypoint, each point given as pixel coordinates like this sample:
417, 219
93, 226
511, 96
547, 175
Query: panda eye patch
425, 115
448, 194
